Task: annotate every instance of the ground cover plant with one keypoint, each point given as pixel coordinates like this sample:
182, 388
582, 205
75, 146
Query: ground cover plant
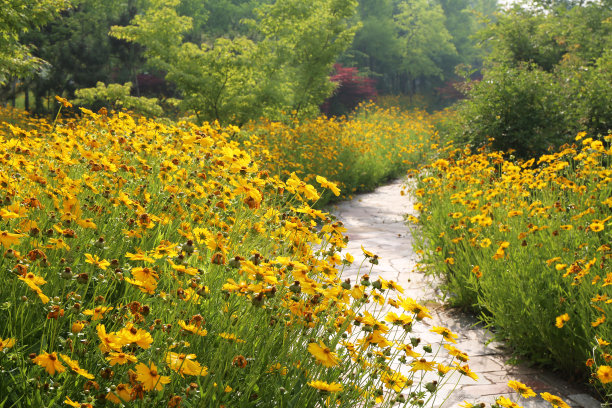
146, 264
526, 244
358, 152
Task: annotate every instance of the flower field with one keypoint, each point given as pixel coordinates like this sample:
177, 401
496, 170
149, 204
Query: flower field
147, 264
528, 246
358, 153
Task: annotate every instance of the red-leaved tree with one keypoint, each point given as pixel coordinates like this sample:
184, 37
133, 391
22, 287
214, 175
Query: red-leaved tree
352, 89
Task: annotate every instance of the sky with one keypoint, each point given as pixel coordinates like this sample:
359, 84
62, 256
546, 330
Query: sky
507, 2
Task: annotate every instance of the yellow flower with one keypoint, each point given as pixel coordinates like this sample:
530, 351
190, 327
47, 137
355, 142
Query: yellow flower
422, 364
120, 358
7, 343
485, 243
455, 352
367, 253
443, 369
97, 313
410, 305
505, 402
327, 387
7, 238
357, 292
77, 326
122, 394
554, 400
50, 363
561, 320
521, 388
33, 279
327, 184
465, 370
192, 328
74, 366
132, 335
604, 374
446, 333
7, 215
323, 354
599, 321
63, 101
231, 337
95, 260
150, 378
391, 317
144, 274
407, 348
109, 341
72, 403
87, 223
596, 226
394, 380
139, 256
185, 364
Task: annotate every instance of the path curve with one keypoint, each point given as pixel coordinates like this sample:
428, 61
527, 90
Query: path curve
376, 221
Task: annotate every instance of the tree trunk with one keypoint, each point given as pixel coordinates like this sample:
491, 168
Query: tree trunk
26, 98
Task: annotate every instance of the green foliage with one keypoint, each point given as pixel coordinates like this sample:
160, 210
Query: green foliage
424, 38
414, 45
519, 107
79, 52
282, 65
547, 78
19, 16
117, 96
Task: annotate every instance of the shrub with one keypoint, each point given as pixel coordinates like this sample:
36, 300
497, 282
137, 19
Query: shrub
116, 96
519, 107
547, 78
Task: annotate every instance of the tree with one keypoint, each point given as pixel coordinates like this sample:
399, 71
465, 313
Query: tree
405, 43
424, 39
352, 89
280, 61
20, 16
376, 47
547, 79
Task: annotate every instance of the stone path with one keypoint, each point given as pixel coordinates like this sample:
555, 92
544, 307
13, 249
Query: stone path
376, 221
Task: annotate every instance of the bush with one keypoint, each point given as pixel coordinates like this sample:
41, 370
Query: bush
520, 108
117, 96
360, 153
547, 78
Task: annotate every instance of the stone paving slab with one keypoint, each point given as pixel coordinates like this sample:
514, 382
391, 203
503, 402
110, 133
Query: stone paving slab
376, 222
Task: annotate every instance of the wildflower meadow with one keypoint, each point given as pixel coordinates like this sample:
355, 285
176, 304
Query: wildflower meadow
165, 265
526, 245
168, 176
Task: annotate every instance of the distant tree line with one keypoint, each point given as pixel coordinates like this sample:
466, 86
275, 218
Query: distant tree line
544, 64
234, 60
